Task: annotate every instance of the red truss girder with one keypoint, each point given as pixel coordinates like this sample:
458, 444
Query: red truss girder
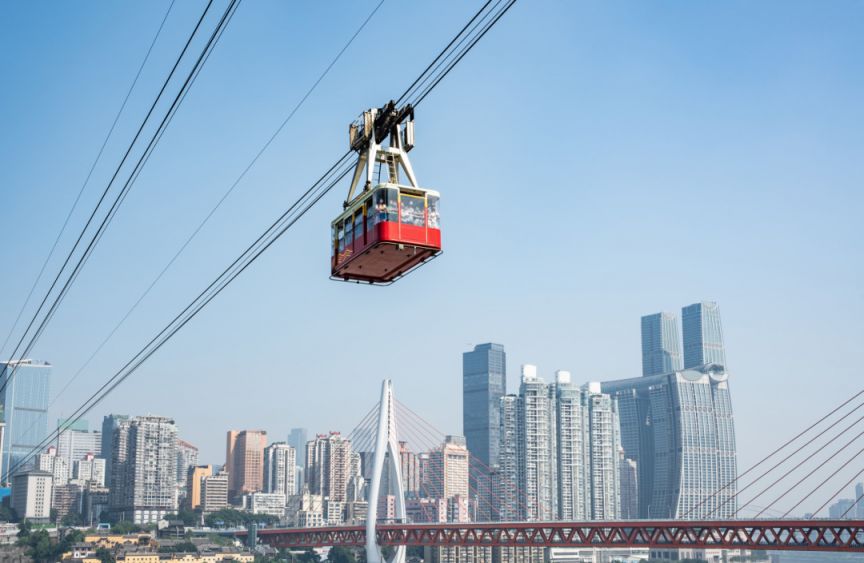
799, 535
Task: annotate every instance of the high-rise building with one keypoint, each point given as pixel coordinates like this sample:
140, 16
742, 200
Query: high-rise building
279, 463
144, 469
410, 467
214, 492
297, 438
193, 484
679, 429
329, 465
571, 431
842, 508
187, 457
603, 451
448, 470
484, 377
110, 424
25, 406
244, 462
537, 481
51, 463
75, 441
703, 335
89, 471
628, 478
661, 352
506, 481
31, 495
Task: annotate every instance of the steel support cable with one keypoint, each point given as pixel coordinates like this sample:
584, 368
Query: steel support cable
106, 220
218, 204
802, 479
442, 53
794, 452
475, 461
216, 287
840, 490
418, 424
820, 485
87, 179
775, 452
853, 505
210, 292
454, 52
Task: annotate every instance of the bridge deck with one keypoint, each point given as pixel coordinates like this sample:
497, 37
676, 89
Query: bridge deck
799, 535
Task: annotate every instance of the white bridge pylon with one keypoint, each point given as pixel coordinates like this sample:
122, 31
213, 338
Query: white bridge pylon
385, 443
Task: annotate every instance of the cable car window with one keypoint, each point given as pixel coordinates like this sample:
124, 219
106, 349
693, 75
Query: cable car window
432, 210
358, 225
371, 214
392, 204
412, 211
341, 237
348, 232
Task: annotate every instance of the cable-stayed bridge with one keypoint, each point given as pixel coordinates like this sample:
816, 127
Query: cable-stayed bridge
384, 433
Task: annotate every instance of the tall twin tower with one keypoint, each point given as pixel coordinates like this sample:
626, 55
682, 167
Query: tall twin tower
703, 339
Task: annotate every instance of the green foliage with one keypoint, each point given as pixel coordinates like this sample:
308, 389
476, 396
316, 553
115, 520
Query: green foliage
104, 555
309, 556
125, 527
341, 555
72, 519
183, 547
188, 517
387, 552
230, 518
25, 528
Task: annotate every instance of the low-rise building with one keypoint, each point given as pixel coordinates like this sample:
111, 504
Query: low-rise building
272, 504
31, 495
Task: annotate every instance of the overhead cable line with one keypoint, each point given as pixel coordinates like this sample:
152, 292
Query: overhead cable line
229, 11
217, 205
318, 190
86, 180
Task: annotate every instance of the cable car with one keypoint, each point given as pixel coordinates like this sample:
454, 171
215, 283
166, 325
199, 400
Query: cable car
391, 228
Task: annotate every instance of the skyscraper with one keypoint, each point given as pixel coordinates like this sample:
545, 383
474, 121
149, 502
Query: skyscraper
448, 469
660, 350
75, 441
330, 466
187, 457
279, 463
144, 469
508, 501
110, 424
244, 462
297, 438
703, 335
194, 481
571, 433
603, 452
537, 480
679, 429
484, 373
25, 407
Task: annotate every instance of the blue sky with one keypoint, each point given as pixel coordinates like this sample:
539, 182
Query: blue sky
597, 161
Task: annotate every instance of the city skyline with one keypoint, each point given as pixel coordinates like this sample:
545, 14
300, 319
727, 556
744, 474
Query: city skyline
692, 176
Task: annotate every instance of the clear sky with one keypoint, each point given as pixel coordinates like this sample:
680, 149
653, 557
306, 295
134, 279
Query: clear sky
597, 161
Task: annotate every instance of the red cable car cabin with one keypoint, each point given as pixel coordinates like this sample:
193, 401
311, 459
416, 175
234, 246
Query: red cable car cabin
385, 233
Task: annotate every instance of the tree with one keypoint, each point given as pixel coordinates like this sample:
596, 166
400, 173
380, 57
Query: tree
104, 555
125, 527
309, 556
72, 519
341, 555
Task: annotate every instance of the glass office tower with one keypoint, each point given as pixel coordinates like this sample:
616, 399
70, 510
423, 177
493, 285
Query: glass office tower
703, 335
25, 406
660, 350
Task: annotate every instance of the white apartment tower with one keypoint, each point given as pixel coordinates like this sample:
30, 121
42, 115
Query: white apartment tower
279, 467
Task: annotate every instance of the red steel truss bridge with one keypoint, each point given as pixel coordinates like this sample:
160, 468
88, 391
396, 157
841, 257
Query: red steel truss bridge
797, 535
